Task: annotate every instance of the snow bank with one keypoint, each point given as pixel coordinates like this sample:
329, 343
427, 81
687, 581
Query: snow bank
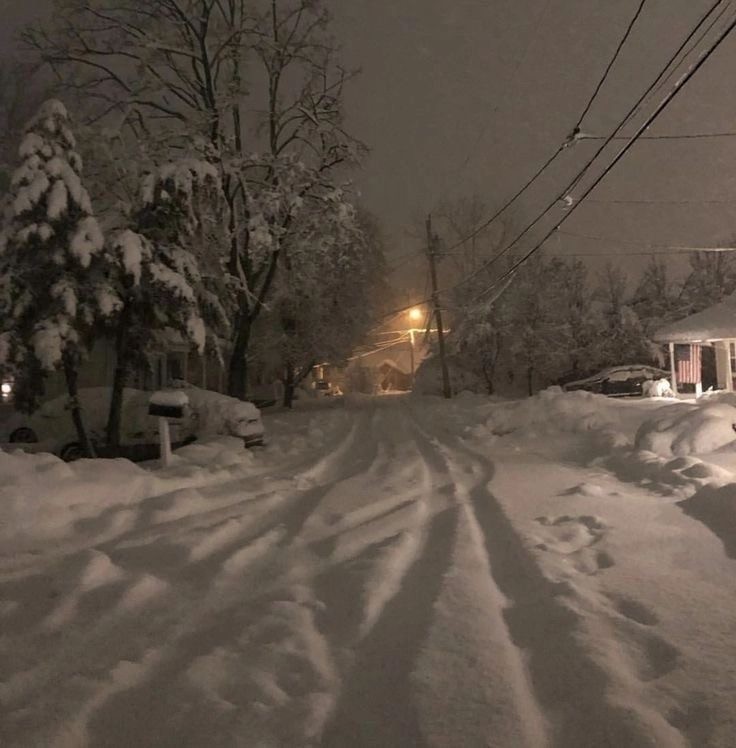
715, 507
44, 498
701, 429
554, 410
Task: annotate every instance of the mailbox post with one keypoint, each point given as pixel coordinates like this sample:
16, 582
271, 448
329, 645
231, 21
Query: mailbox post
165, 405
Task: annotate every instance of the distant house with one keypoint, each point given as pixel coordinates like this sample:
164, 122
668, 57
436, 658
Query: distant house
692, 341
388, 366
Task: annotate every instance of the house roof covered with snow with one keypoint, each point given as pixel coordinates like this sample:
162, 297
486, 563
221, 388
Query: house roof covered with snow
717, 322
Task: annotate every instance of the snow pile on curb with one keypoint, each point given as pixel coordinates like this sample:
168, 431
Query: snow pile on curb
554, 410
715, 507
701, 429
43, 497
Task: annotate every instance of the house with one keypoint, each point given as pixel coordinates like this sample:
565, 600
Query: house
173, 359
705, 340
389, 363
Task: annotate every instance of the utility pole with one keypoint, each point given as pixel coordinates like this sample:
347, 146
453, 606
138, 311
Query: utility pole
431, 246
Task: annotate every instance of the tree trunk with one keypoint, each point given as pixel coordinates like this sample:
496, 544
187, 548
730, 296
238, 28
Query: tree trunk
237, 380
120, 379
490, 388
530, 380
289, 385
70, 372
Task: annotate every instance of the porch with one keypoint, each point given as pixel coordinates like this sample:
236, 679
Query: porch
690, 340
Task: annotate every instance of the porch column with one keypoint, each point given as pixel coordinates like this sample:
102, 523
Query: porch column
729, 372
673, 375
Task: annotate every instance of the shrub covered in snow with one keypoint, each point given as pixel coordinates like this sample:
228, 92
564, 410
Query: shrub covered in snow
700, 429
428, 379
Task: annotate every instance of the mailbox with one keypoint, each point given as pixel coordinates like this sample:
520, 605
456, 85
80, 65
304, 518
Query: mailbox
165, 405
166, 411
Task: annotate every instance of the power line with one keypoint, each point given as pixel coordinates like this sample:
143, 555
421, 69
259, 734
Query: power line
610, 65
567, 143
629, 114
643, 253
669, 136
592, 159
671, 63
689, 51
732, 201
635, 243
679, 85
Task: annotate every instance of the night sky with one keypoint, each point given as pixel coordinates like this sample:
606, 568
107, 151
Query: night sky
472, 96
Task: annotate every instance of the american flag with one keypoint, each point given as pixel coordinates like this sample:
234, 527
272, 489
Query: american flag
687, 359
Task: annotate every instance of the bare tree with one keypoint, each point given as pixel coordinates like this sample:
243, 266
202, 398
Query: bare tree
232, 78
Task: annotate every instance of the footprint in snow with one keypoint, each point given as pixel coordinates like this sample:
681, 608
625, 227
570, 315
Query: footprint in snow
573, 538
635, 611
652, 655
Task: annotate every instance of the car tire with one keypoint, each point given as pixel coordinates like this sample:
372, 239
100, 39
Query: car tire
23, 435
72, 452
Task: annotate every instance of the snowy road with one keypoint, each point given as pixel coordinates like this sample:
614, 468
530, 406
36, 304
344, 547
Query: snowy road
383, 578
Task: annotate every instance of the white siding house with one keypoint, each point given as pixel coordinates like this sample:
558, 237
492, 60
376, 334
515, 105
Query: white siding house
713, 327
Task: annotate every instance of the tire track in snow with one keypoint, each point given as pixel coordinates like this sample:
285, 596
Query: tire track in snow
493, 696
569, 684
386, 630
376, 706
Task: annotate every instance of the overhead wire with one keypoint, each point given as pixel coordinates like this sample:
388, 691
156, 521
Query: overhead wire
618, 201
633, 242
670, 136
610, 65
581, 173
686, 53
679, 86
609, 138
672, 65
564, 145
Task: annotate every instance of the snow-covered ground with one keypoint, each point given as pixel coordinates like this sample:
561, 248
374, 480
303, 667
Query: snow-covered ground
396, 571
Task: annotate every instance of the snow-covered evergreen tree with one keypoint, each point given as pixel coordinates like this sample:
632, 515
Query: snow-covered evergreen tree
55, 286
167, 281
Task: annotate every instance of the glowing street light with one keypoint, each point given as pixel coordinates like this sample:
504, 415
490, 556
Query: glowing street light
415, 314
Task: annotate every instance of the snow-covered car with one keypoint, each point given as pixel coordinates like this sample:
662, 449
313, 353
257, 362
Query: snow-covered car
219, 414
50, 428
618, 381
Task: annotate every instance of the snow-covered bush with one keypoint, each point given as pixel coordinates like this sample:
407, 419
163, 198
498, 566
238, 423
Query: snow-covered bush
428, 378
701, 429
